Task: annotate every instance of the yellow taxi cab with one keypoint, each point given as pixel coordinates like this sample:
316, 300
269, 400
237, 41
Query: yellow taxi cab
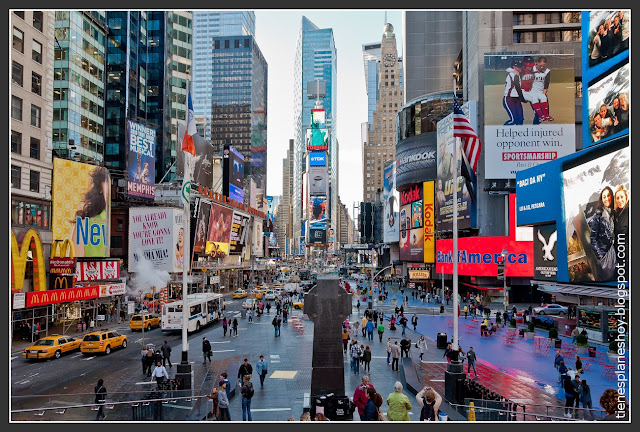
295, 279
138, 323
239, 294
51, 346
102, 342
258, 292
298, 304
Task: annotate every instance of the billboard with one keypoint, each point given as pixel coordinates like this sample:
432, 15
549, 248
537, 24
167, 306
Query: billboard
202, 228
318, 216
609, 105
317, 236
529, 102
608, 35
154, 237
61, 272
416, 159
317, 180
317, 159
317, 139
318, 117
411, 224
239, 233
272, 242
141, 160
301, 245
391, 232
428, 222
444, 183
82, 207
545, 252
596, 197
233, 174
220, 221
97, 270
203, 168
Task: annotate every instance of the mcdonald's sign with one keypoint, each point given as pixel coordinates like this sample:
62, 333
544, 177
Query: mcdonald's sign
59, 281
61, 296
19, 261
61, 249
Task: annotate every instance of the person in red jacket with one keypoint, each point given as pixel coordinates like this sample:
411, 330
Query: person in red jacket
360, 395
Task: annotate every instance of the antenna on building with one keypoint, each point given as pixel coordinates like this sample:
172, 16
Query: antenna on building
385, 18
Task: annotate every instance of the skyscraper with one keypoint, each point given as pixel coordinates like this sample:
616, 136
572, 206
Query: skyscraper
315, 59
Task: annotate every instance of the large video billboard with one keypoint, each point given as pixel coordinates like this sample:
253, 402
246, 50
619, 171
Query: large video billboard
154, 237
239, 233
444, 183
81, 196
233, 174
609, 105
317, 139
545, 252
318, 216
318, 117
202, 228
596, 198
203, 167
416, 159
141, 160
317, 159
411, 224
529, 103
318, 180
220, 222
391, 232
608, 35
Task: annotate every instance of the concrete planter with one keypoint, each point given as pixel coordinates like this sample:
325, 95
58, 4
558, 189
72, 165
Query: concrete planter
580, 349
613, 357
529, 335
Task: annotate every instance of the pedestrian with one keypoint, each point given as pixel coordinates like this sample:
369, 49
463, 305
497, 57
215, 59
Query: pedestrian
159, 373
305, 416
405, 347
471, 362
224, 377
166, 353
149, 361
370, 410
380, 330
584, 393
225, 324
358, 306
578, 364
250, 316
268, 307
360, 395
234, 327
274, 323
285, 314
389, 351
361, 358
429, 402
366, 359
466, 311
446, 352
557, 360
414, 321
363, 323
261, 370
223, 401
247, 393
206, 350
392, 323
563, 371
505, 318
143, 359
345, 339
570, 395
399, 404
213, 396
395, 356
244, 369
375, 317
101, 394
370, 330
422, 345
403, 323
279, 323
355, 356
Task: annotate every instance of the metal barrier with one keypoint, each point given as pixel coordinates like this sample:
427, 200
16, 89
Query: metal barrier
523, 412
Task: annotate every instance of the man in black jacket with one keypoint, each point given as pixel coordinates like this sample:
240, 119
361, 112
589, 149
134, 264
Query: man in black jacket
245, 369
166, 353
206, 350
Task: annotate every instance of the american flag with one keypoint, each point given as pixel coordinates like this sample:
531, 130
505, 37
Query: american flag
470, 142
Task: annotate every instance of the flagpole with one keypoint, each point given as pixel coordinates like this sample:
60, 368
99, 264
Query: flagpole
455, 236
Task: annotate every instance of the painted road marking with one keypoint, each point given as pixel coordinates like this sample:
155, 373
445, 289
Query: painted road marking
440, 380
88, 358
269, 409
284, 374
13, 358
379, 357
275, 361
222, 342
76, 355
274, 356
222, 351
145, 382
434, 362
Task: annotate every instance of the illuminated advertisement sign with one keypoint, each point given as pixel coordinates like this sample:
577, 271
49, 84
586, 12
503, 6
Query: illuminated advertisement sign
152, 237
302, 245
317, 159
233, 174
596, 197
61, 272
609, 105
411, 224
202, 228
112, 289
391, 233
608, 35
419, 274
317, 180
220, 221
428, 222
82, 207
444, 183
141, 160
416, 159
317, 138
529, 102
318, 212
43, 298
317, 236
97, 270
239, 232
203, 162
318, 117
545, 252
30, 242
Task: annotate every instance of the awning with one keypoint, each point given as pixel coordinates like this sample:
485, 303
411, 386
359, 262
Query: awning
482, 287
580, 290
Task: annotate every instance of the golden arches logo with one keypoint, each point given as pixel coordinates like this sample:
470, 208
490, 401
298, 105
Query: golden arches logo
62, 249
19, 261
61, 282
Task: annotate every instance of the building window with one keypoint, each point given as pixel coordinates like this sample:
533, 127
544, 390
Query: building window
237, 43
120, 225
16, 142
35, 116
29, 213
16, 173
19, 13
217, 44
34, 181
34, 148
226, 43
16, 73
246, 43
36, 84
116, 242
37, 20
18, 40
36, 51
16, 108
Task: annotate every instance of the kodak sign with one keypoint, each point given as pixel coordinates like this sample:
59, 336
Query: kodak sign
61, 296
31, 242
429, 222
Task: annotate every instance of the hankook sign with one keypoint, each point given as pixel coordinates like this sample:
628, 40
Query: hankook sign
416, 159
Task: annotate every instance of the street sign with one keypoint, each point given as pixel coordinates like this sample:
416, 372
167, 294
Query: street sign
131, 308
19, 300
375, 285
412, 285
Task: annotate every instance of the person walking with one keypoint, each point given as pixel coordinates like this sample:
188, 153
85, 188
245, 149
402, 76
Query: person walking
471, 362
143, 359
268, 307
279, 323
244, 369
214, 403
345, 339
375, 318
370, 330
399, 404
405, 346
403, 323
234, 327
585, 397
395, 356
570, 395
355, 356
250, 316
225, 325
466, 311
223, 401
370, 411
366, 359
363, 324
247, 392
101, 394
148, 361
414, 321
274, 323
159, 373
360, 395
206, 350
380, 330
446, 352
285, 314
261, 370
166, 353
422, 346
358, 306
388, 350
429, 402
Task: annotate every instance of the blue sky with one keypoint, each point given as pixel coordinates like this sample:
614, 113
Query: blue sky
277, 36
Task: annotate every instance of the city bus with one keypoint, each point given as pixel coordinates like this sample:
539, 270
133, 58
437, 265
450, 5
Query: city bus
204, 308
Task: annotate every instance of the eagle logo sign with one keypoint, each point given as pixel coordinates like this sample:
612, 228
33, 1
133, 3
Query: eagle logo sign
547, 247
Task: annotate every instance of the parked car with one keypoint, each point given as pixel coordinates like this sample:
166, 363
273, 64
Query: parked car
543, 321
51, 346
551, 309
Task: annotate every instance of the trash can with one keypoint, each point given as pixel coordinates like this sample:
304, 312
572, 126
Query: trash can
592, 351
343, 408
442, 416
243, 313
558, 343
441, 341
519, 318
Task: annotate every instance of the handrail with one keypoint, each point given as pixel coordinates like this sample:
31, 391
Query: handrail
600, 413
511, 413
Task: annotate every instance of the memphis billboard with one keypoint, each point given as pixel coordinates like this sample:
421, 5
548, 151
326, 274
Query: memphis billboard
82, 207
141, 160
529, 104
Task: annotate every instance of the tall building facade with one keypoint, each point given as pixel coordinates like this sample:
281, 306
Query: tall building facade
371, 57
315, 59
32, 91
283, 220
379, 148
206, 26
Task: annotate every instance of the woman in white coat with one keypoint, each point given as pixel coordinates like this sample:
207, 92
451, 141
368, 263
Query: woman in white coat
422, 344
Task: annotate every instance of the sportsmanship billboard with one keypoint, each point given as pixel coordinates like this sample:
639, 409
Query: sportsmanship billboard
141, 160
317, 180
220, 221
203, 168
82, 207
317, 138
233, 174
411, 224
609, 105
239, 233
391, 233
444, 184
153, 237
529, 102
596, 209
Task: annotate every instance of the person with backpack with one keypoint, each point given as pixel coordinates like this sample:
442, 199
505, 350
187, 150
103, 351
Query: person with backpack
279, 323
429, 402
261, 370
247, 393
206, 350
355, 356
274, 323
101, 394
